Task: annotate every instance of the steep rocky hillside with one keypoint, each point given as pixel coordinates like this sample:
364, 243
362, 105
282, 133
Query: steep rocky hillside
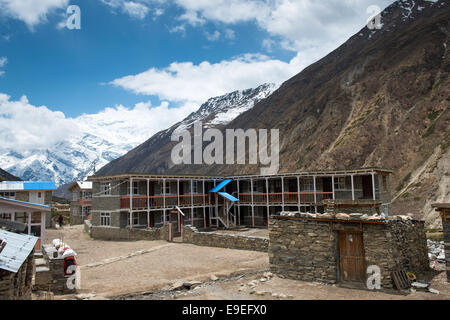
154, 154
381, 99
6, 176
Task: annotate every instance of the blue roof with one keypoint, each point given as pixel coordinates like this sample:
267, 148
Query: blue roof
39, 185
228, 196
27, 185
221, 185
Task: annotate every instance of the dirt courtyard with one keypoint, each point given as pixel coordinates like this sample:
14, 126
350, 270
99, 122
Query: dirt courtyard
153, 269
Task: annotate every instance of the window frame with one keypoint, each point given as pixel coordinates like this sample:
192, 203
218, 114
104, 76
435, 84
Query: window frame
340, 183
105, 219
105, 188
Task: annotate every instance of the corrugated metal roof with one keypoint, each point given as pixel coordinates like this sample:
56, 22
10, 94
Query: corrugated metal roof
18, 248
27, 185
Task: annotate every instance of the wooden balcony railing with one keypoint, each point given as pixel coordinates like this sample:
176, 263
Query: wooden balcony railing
289, 197
140, 202
86, 202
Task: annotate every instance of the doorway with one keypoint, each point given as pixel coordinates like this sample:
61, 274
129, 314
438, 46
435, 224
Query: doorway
367, 187
351, 257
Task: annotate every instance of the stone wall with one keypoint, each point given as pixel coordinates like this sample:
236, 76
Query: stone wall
53, 279
17, 286
308, 249
124, 234
230, 241
303, 250
446, 227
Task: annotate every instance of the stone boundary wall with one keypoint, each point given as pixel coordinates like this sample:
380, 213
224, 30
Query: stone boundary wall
230, 241
446, 229
125, 234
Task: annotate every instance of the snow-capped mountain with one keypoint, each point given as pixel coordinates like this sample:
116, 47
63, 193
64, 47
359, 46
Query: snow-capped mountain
100, 139
154, 154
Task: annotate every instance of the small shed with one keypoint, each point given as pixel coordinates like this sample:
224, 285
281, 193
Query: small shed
16, 265
338, 250
444, 211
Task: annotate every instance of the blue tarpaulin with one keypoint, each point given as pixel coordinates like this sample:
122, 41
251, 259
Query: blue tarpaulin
228, 196
221, 185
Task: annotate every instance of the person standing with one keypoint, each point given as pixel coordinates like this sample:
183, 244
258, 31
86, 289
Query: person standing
60, 221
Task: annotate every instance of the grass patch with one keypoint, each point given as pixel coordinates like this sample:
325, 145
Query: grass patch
433, 115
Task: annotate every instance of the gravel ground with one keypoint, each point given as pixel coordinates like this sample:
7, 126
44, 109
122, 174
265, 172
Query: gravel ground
152, 269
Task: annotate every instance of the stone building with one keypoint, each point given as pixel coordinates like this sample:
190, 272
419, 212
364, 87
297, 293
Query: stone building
444, 210
336, 250
143, 201
38, 192
80, 201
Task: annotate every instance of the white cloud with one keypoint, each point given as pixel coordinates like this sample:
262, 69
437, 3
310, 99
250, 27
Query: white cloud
135, 9
24, 126
313, 28
230, 34
214, 36
3, 62
31, 12
187, 82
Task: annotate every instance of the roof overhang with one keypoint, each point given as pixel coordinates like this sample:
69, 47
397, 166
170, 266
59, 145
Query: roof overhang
11, 206
362, 171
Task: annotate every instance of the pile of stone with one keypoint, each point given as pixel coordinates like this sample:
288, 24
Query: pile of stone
436, 251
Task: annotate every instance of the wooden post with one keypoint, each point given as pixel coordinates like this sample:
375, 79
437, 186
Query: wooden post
239, 205
148, 203
164, 201
253, 207
267, 200
131, 203
353, 187
282, 194
192, 204
315, 193
298, 194
373, 186
332, 185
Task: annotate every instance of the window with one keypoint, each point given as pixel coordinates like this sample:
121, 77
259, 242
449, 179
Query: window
9, 195
39, 195
86, 195
74, 196
5, 216
105, 189
194, 187
307, 184
105, 219
339, 183
167, 189
75, 211
135, 188
85, 211
135, 219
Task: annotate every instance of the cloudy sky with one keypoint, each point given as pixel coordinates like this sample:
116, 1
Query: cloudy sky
166, 55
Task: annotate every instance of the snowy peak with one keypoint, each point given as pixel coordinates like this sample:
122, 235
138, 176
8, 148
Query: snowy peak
224, 109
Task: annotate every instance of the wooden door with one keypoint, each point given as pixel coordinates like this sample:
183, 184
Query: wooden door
367, 187
351, 256
327, 184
